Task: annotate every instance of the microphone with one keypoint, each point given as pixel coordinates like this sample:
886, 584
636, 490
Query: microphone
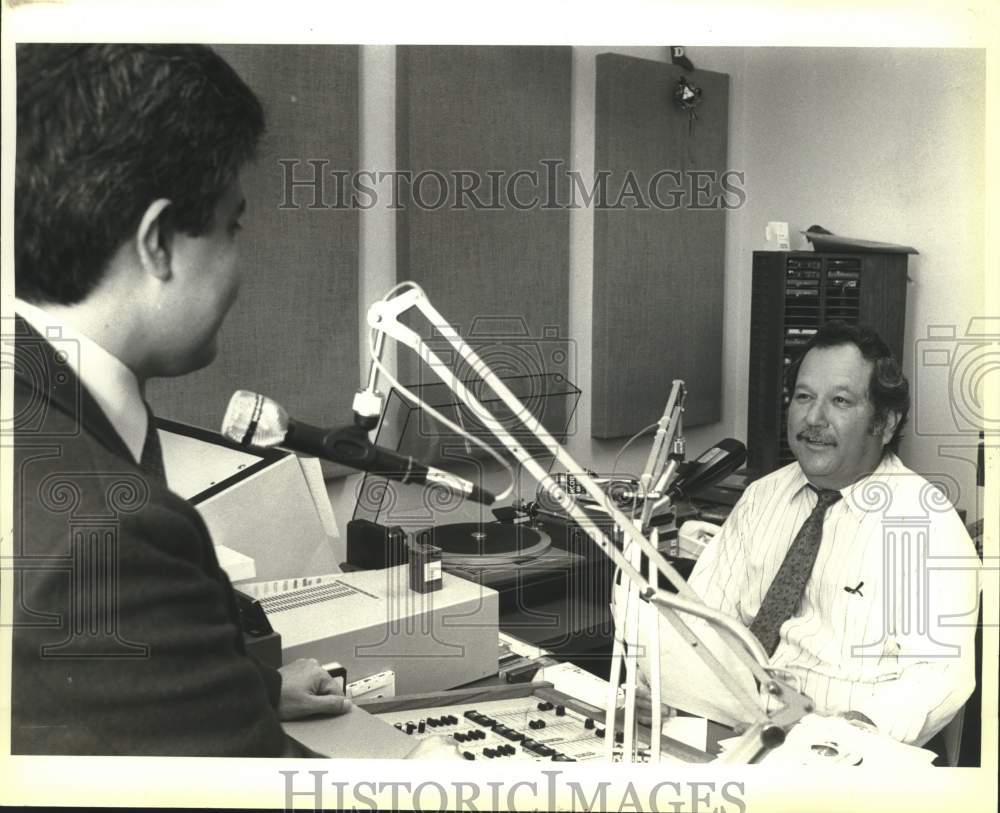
255, 420
708, 468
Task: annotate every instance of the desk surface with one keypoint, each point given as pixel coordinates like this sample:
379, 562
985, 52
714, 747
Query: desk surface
354, 735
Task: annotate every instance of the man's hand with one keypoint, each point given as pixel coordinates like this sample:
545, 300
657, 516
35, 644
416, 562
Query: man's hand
435, 748
858, 719
644, 703
307, 689
693, 536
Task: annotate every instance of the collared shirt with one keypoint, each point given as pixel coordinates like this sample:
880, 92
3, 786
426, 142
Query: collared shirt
888, 615
111, 383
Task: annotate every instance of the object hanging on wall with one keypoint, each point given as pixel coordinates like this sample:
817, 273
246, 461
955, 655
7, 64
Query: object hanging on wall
687, 97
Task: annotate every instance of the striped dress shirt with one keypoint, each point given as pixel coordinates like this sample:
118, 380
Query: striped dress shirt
887, 620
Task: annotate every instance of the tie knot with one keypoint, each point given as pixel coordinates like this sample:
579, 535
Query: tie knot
825, 496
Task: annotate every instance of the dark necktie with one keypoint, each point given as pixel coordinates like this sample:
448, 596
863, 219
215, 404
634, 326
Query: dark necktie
785, 593
151, 461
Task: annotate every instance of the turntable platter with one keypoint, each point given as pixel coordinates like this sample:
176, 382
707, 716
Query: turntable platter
487, 542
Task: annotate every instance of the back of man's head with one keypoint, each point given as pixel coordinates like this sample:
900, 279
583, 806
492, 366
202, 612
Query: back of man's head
888, 389
102, 131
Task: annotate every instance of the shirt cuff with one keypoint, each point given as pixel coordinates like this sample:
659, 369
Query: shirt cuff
894, 717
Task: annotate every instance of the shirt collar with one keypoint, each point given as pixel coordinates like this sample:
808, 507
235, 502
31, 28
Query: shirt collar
854, 493
111, 383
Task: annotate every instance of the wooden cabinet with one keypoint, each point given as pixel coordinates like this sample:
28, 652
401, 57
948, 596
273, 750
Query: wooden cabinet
794, 293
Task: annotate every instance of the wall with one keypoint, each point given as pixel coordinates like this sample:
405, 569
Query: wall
880, 144
378, 262
298, 254
600, 454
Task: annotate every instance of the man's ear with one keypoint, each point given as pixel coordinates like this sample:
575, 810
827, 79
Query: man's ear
887, 428
154, 239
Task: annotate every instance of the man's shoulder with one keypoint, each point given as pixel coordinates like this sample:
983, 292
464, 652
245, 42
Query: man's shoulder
54, 436
49, 399
895, 490
762, 495
63, 471
789, 475
895, 475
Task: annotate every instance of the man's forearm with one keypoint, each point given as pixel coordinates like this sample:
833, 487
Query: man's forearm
917, 705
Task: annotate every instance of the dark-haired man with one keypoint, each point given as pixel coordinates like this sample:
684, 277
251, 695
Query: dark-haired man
829, 561
127, 213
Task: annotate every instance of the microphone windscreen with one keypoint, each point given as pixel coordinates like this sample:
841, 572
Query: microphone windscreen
254, 420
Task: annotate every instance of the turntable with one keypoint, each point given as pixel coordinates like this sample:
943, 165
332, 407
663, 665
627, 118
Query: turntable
542, 581
500, 554
471, 540
490, 544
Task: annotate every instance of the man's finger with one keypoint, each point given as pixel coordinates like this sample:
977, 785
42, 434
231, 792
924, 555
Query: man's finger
325, 684
643, 698
330, 703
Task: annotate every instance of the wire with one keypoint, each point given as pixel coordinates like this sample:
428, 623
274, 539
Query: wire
629, 442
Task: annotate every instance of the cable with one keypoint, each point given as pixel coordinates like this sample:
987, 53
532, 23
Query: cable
629, 442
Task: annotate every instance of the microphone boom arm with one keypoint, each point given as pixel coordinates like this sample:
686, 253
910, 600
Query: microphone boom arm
384, 317
658, 473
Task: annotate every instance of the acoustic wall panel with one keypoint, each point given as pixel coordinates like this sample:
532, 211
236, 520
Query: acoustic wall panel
659, 243
293, 333
495, 262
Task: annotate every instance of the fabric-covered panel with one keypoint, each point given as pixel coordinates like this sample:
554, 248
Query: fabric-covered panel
495, 261
659, 244
293, 333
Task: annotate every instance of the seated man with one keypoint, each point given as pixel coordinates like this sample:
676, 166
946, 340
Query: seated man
128, 201
829, 561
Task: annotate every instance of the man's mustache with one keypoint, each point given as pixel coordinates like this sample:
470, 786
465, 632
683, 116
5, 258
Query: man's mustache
808, 438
